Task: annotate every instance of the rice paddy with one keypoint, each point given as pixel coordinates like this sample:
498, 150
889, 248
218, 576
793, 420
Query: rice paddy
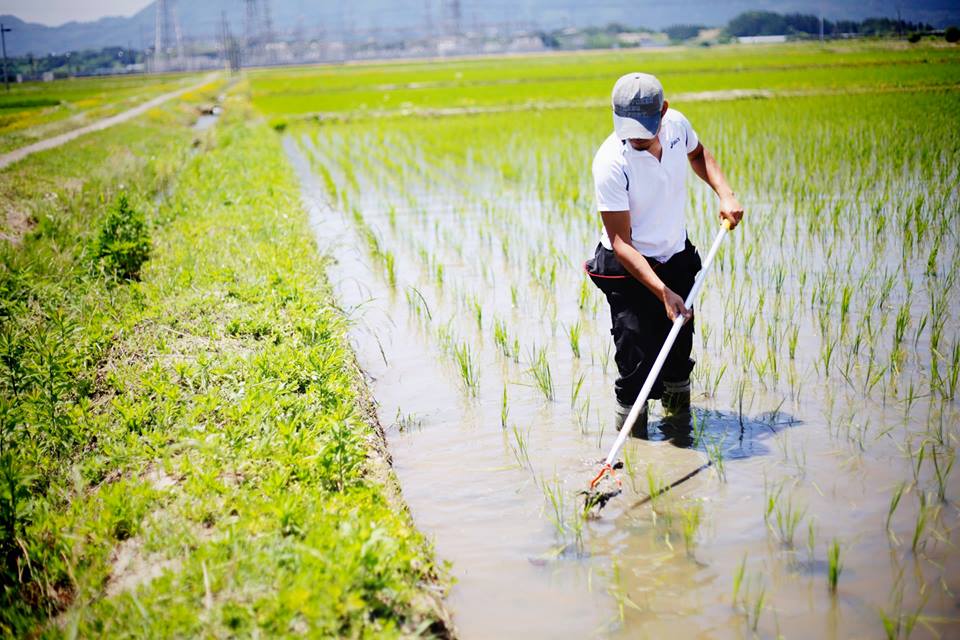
827, 340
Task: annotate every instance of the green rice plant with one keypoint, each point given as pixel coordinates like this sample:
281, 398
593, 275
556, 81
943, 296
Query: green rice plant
738, 575
467, 367
834, 565
656, 486
406, 422
715, 454
583, 416
504, 408
575, 388
894, 502
787, 518
896, 623
759, 601
477, 312
811, 540
942, 470
619, 594
514, 295
500, 337
417, 303
540, 370
584, 297
573, 333
605, 359
553, 492
520, 451
900, 327
770, 497
390, 265
920, 525
691, 515
953, 376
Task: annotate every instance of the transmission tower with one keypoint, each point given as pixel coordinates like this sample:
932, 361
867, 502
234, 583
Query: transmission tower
267, 22
167, 40
229, 45
451, 16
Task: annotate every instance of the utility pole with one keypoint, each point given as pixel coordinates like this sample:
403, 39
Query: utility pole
3, 40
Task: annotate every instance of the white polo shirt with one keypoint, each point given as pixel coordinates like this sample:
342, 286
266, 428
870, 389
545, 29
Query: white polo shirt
653, 191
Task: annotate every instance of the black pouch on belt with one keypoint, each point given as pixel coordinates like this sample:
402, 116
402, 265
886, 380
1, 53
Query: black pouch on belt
606, 271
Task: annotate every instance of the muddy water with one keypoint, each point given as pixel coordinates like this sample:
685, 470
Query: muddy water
479, 490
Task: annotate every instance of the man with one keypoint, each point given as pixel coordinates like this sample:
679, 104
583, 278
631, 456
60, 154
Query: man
645, 264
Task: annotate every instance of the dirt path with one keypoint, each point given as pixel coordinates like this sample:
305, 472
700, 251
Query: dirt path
51, 143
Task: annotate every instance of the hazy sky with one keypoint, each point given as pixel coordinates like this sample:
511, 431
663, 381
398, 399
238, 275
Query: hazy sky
55, 12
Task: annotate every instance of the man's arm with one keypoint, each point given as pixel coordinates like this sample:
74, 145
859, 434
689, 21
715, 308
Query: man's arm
705, 166
617, 224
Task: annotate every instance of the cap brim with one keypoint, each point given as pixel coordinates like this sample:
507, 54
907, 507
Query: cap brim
627, 128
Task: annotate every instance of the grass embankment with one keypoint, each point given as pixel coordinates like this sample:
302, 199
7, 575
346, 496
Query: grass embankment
188, 452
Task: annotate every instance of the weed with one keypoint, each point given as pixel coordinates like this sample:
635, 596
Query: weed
123, 244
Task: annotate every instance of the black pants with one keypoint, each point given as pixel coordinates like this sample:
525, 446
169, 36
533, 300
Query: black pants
640, 322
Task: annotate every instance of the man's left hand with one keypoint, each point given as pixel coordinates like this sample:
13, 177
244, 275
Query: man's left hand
731, 209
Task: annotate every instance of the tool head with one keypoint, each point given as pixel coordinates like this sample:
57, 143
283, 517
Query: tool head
604, 487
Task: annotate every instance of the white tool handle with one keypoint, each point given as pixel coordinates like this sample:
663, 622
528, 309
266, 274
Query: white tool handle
662, 356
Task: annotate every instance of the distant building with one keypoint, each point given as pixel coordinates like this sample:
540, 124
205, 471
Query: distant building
761, 39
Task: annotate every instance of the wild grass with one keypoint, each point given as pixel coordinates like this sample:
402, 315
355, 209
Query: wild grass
257, 433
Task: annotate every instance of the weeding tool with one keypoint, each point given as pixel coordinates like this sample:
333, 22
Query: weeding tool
600, 498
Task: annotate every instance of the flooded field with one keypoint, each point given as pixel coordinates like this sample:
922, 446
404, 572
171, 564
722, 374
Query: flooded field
826, 415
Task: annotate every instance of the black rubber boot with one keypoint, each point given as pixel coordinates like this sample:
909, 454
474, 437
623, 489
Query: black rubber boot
639, 428
676, 423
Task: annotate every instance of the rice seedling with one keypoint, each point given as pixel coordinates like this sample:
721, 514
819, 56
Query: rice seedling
619, 594
834, 565
467, 367
897, 623
942, 470
738, 575
540, 370
811, 540
787, 519
406, 422
390, 265
573, 333
477, 312
504, 408
417, 303
894, 502
500, 337
771, 497
715, 454
520, 451
926, 513
691, 516
759, 601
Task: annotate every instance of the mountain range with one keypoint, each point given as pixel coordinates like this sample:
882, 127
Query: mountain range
395, 19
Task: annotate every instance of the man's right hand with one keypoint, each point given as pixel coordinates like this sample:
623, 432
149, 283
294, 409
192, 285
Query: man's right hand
674, 305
